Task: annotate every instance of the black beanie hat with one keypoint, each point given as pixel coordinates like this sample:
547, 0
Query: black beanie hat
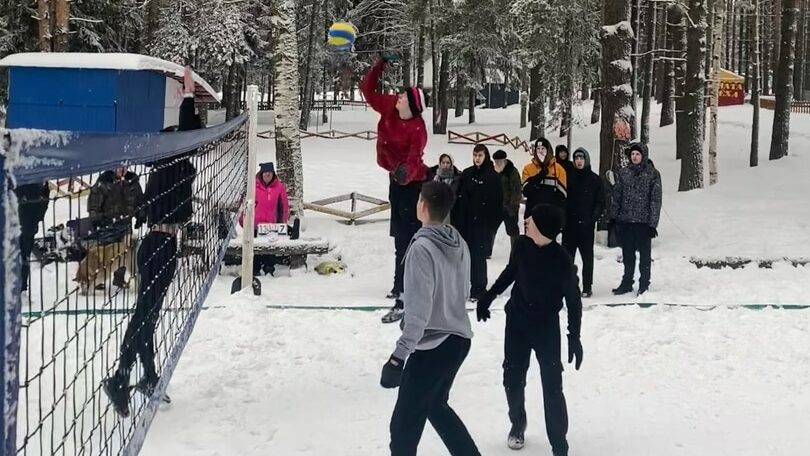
416, 100
548, 219
499, 155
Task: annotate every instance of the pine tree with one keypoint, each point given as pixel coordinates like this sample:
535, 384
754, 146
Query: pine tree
694, 99
780, 133
755, 85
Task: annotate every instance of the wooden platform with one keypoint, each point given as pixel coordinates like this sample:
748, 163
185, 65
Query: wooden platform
294, 251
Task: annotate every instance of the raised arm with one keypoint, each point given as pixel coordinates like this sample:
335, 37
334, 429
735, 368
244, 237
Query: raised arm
379, 102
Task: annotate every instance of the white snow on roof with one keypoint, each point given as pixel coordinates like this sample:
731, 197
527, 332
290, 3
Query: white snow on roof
110, 61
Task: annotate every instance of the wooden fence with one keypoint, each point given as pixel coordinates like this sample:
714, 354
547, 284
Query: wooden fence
331, 105
478, 137
801, 107
367, 135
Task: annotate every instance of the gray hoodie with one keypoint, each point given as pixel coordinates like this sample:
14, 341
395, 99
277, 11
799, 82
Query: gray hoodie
437, 285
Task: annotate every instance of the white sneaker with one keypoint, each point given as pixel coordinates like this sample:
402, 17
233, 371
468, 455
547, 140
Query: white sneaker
393, 315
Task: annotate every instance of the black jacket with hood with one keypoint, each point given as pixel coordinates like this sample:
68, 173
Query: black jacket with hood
511, 188
637, 193
479, 204
586, 195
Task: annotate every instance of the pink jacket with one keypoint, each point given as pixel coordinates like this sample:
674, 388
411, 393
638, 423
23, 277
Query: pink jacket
272, 205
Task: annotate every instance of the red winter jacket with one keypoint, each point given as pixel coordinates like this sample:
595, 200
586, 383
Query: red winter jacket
398, 141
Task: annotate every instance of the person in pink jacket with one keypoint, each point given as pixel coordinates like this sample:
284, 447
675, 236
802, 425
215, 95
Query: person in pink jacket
272, 206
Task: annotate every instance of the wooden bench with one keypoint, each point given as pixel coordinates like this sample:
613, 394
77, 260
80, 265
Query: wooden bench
292, 252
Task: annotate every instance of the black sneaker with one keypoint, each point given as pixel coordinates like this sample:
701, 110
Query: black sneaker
393, 294
642, 288
146, 386
118, 394
393, 315
624, 288
118, 278
587, 292
516, 439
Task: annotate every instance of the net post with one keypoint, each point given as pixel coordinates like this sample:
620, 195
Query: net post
10, 308
250, 198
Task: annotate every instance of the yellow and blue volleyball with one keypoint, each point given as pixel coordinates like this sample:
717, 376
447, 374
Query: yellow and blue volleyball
342, 35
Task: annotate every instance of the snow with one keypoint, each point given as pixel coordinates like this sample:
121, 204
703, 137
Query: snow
621, 27
106, 61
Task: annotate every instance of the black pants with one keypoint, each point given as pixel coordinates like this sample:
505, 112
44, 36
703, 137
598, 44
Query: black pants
522, 336
423, 395
478, 272
28, 229
401, 243
157, 262
404, 224
635, 237
510, 222
580, 236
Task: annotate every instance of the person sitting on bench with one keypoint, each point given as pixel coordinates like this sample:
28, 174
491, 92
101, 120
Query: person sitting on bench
272, 206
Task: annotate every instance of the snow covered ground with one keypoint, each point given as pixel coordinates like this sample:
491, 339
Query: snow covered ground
663, 381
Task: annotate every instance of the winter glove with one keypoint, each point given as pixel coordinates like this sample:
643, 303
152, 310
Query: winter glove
482, 308
400, 174
574, 350
390, 56
392, 373
653, 233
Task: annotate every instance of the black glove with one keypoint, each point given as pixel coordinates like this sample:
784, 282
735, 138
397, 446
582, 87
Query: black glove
574, 350
390, 56
482, 308
653, 233
392, 373
400, 174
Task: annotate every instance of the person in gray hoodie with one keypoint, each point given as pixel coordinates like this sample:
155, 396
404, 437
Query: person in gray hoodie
436, 331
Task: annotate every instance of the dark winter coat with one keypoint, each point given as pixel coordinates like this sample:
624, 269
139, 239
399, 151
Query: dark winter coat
637, 193
399, 142
479, 206
586, 195
32, 203
511, 188
566, 163
543, 277
169, 188
116, 200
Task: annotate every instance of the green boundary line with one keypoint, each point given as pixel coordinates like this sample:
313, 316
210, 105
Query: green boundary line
642, 305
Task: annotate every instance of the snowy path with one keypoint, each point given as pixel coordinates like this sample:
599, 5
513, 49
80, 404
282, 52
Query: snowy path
659, 381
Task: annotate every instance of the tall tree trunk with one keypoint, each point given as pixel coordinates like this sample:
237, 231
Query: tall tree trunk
766, 45
784, 81
718, 16
636, 23
325, 81
754, 155
407, 65
308, 89
420, 57
678, 16
289, 164
229, 94
152, 22
459, 98
694, 99
537, 108
596, 112
618, 115
740, 41
440, 126
668, 83
801, 42
471, 107
524, 95
648, 73
44, 22
62, 10
778, 19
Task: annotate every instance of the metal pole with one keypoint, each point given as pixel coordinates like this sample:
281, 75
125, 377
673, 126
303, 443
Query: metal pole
250, 198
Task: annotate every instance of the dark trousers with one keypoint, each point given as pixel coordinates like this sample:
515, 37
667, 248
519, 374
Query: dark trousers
423, 395
635, 237
523, 335
404, 224
401, 243
510, 222
157, 262
580, 236
28, 229
478, 272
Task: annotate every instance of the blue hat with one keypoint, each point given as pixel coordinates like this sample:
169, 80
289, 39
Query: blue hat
267, 168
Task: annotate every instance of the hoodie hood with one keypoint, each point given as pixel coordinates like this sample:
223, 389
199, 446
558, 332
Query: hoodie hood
508, 167
549, 151
562, 148
445, 238
584, 151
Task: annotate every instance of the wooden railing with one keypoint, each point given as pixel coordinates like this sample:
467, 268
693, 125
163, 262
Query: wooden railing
367, 135
478, 137
801, 107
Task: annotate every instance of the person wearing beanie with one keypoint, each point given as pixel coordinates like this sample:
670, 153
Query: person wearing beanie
401, 140
561, 154
511, 190
544, 180
584, 207
634, 214
447, 172
544, 275
479, 209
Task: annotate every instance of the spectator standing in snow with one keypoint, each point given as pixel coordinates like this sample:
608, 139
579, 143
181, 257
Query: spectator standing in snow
544, 180
401, 140
561, 154
436, 331
511, 190
585, 203
32, 204
272, 206
635, 211
543, 275
479, 213
446, 172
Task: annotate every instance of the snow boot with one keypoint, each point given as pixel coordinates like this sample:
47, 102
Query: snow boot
394, 315
146, 386
587, 292
642, 288
624, 288
516, 439
516, 401
118, 278
118, 393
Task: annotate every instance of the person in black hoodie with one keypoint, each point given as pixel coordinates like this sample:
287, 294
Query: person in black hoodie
168, 206
32, 204
585, 203
561, 154
479, 208
543, 275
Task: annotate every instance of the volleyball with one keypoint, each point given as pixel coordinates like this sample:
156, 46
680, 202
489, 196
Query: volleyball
342, 35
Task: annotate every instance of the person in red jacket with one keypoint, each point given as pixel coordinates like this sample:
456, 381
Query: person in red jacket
401, 141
